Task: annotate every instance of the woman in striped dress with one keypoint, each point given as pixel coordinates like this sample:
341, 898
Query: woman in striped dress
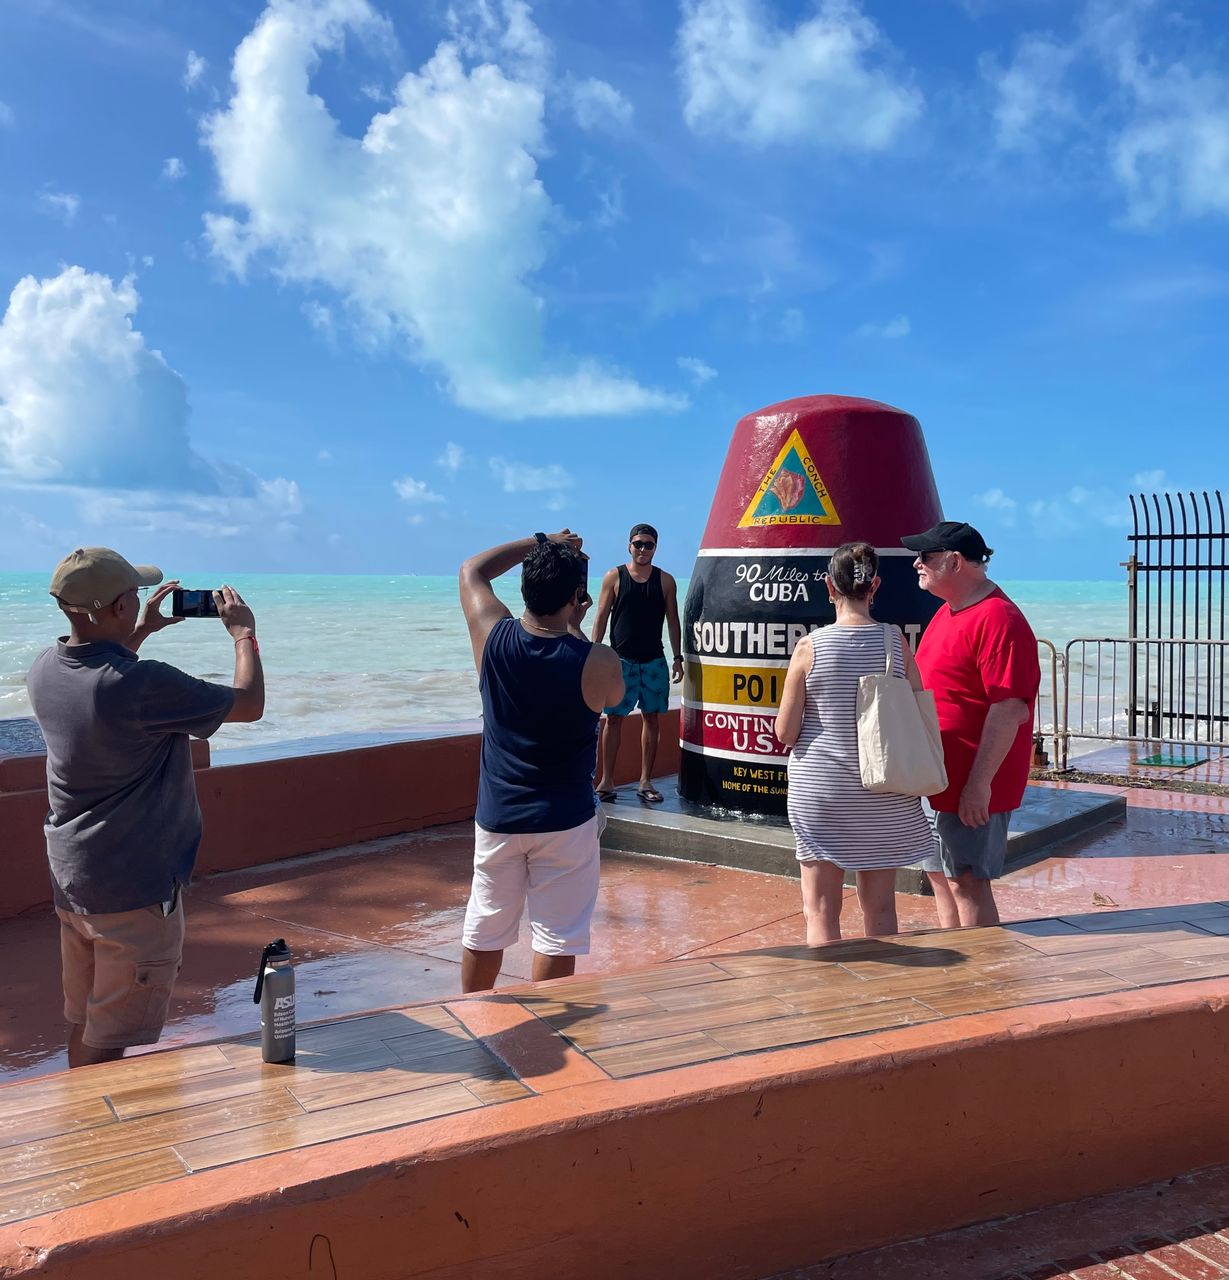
839, 826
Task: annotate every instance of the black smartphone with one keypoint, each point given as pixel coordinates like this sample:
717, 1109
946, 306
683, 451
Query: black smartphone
193, 604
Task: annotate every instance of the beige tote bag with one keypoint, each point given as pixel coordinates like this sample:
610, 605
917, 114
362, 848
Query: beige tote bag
900, 750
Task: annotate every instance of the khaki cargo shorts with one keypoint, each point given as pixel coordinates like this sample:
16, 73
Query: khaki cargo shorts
119, 972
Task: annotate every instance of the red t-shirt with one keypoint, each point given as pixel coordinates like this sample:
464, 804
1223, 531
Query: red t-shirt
971, 659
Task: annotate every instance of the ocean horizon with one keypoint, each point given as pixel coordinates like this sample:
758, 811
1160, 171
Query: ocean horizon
377, 653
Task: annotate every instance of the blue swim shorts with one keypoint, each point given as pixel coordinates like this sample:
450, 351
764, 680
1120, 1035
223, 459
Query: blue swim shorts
981, 850
646, 684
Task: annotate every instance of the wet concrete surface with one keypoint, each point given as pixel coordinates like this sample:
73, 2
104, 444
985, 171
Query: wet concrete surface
676, 828
379, 924
1158, 760
21, 736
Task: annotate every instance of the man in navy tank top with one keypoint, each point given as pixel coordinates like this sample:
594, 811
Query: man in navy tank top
636, 598
543, 687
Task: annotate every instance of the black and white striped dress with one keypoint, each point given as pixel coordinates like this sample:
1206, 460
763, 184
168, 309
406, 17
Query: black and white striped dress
833, 817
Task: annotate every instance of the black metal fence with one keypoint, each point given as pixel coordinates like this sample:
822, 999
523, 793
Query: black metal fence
1176, 580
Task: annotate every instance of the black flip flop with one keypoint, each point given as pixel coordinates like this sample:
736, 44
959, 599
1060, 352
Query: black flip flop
650, 795
608, 797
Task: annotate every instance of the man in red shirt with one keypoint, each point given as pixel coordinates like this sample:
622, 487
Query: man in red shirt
979, 656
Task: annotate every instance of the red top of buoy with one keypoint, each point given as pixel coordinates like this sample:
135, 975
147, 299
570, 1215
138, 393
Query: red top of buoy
817, 471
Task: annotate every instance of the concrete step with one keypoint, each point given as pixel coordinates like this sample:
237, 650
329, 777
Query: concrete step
692, 833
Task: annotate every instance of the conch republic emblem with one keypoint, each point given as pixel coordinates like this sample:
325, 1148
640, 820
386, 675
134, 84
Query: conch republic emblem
800, 478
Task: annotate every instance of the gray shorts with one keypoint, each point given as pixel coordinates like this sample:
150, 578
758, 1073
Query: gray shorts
981, 850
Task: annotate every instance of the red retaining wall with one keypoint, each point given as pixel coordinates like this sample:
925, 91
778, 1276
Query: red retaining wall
735, 1169
273, 809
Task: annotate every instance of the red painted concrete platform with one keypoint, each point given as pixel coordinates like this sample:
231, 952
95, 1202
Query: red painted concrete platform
782, 1104
379, 923
376, 926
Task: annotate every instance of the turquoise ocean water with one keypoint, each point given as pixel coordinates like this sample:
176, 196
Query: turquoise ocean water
377, 653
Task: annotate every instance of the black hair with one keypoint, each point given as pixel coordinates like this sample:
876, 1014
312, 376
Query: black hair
852, 569
642, 528
550, 576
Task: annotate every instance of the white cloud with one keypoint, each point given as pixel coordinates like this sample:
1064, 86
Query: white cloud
748, 78
1174, 288
696, 369
453, 458
83, 400
793, 324
272, 506
896, 328
87, 406
1078, 509
1172, 158
610, 202
599, 106
60, 204
415, 491
194, 69
319, 317
1149, 479
501, 31
431, 225
173, 169
1004, 507
17, 521
521, 477
1069, 513
1031, 93
8, 118
1152, 106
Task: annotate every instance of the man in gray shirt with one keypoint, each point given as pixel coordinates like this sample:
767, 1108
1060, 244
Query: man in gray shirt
124, 825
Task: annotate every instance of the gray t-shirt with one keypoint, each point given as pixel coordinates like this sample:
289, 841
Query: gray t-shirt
124, 826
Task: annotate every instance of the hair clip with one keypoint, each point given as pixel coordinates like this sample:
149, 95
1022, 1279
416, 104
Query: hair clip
862, 573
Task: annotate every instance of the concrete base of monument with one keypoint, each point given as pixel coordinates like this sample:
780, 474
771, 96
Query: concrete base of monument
676, 828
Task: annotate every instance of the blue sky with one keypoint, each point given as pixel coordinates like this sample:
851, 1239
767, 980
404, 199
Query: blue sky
330, 285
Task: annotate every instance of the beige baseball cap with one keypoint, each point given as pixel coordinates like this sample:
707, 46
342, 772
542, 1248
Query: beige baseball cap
94, 577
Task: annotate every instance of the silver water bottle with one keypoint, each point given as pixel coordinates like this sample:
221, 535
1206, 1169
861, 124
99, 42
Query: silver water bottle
275, 995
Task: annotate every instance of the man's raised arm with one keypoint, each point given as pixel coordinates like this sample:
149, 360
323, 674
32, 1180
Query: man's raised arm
479, 603
249, 682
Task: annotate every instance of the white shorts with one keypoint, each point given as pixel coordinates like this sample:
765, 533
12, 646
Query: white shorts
556, 870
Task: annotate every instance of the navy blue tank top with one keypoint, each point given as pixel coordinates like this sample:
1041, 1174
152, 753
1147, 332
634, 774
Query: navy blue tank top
539, 737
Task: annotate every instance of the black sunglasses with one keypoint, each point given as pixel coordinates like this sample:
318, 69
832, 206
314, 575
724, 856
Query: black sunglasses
643, 546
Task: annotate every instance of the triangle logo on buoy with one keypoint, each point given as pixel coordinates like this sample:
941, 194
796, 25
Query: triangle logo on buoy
791, 492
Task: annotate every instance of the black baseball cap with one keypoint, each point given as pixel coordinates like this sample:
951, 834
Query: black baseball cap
950, 535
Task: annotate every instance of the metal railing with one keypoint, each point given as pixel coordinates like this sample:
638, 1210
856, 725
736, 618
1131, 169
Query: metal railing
1127, 689
1047, 719
1177, 590
1165, 681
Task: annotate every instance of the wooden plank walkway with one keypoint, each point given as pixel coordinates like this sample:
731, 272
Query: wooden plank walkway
80, 1136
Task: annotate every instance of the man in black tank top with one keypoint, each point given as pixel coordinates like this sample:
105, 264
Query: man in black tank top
636, 598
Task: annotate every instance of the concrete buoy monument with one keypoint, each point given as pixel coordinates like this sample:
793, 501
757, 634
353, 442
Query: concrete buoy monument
800, 478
